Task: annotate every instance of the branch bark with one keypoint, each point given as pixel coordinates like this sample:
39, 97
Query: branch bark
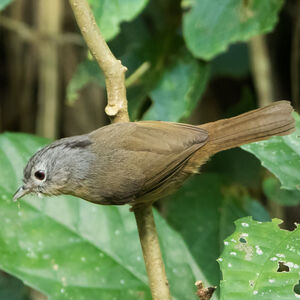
116, 109
112, 68
152, 255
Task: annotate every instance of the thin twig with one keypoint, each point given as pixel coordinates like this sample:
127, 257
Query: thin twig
261, 69
137, 74
152, 255
112, 68
114, 74
30, 35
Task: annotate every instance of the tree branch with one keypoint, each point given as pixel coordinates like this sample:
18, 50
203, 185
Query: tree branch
114, 74
152, 255
112, 68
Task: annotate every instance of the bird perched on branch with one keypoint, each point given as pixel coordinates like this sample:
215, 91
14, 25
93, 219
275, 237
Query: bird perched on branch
141, 162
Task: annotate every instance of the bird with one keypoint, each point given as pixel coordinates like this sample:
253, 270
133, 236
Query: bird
137, 163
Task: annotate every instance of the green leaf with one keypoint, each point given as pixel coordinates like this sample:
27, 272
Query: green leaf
281, 156
178, 90
109, 14
203, 212
86, 72
209, 27
69, 248
250, 261
272, 190
4, 3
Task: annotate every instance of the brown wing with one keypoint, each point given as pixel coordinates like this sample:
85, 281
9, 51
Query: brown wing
137, 157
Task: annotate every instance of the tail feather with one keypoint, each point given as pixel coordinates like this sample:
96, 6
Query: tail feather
256, 125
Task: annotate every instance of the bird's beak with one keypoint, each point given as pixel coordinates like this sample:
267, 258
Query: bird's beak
22, 191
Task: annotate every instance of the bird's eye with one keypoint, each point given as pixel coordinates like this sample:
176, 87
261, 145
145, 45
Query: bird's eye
40, 175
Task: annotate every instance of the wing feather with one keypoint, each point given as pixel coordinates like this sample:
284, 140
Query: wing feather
138, 157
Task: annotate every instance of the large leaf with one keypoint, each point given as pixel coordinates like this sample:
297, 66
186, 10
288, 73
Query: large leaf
260, 261
109, 14
204, 212
281, 155
71, 249
178, 90
210, 26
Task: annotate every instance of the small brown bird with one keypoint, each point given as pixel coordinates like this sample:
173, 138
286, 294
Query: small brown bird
140, 162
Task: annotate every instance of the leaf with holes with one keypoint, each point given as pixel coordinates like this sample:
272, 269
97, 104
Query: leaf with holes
281, 156
208, 218
72, 249
210, 26
260, 260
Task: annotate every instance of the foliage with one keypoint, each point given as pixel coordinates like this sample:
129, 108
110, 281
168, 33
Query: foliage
260, 261
41, 231
174, 97
68, 248
54, 238
210, 26
203, 213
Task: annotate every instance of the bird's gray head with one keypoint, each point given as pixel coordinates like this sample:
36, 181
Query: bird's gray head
56, 168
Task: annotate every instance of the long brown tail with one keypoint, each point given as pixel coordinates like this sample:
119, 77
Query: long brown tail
256, 125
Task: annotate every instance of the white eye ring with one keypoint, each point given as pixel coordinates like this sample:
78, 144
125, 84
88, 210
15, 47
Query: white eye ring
40, 175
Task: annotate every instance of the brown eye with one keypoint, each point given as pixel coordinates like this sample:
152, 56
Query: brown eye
40, 175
